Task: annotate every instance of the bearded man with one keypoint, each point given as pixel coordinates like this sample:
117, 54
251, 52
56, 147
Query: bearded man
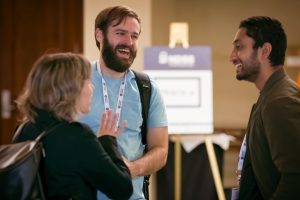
117, 30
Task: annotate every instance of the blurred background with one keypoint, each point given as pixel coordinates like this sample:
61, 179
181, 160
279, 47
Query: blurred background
31, 28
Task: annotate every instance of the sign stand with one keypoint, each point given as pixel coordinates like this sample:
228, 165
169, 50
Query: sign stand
177, 167
213, 166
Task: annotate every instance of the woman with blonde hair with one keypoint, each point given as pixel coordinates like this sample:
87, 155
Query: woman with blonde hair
77, 163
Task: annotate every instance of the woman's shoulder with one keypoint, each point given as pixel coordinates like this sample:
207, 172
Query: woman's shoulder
78, 127
72, 133
25, 131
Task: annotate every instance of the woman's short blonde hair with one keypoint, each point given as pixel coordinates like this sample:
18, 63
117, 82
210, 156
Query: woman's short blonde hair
54, 85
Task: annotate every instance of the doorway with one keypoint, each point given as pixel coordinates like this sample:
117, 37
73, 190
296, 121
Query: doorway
29, 29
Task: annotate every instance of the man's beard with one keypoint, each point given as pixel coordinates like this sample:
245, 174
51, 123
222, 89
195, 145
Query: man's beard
250, 69
109, 55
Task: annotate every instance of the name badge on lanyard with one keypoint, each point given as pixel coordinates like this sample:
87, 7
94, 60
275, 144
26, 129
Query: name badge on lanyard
105, 94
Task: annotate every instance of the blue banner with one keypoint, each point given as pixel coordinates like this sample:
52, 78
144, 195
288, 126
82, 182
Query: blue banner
165, 58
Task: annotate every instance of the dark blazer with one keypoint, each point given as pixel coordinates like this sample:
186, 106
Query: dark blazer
271, 167
77, 163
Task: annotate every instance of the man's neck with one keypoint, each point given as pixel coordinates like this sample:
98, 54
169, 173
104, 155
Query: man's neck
264, 76
109, 72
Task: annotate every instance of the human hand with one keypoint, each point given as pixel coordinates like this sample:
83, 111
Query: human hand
132, 167
109, 123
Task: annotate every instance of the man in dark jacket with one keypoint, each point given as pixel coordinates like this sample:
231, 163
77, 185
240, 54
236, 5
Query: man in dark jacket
269, 164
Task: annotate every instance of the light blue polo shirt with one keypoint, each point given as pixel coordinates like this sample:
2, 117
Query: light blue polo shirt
130, 140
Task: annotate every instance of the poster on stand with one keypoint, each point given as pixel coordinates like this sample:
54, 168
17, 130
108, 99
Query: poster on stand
184, 77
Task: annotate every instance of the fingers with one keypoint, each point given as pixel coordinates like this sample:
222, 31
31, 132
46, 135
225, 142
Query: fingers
105, 121
114, 122
109, 124
121, 128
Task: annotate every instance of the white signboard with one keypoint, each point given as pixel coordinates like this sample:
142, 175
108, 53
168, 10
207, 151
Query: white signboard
186, 86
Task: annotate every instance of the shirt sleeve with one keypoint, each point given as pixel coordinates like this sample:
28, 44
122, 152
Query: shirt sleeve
103, 166
157, 110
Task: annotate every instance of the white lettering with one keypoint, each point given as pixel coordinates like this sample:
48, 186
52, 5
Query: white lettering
176, 60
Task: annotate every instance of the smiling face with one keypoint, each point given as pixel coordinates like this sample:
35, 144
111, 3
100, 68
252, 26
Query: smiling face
244, 57
119, 44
